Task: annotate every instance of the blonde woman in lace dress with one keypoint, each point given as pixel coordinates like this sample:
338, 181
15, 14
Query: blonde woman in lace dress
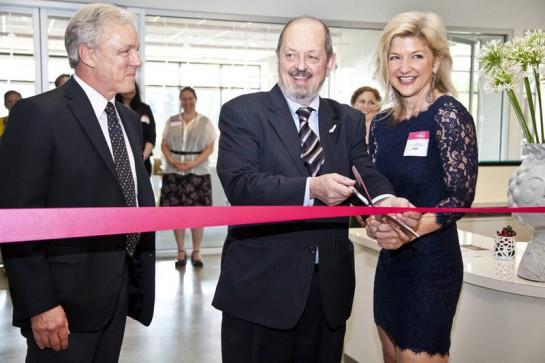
425, 144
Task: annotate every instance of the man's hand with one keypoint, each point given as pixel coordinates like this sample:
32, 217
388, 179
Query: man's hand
332, 189
50, 329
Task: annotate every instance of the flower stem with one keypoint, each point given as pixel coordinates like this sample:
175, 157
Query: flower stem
538, 88
531, 107
520, 116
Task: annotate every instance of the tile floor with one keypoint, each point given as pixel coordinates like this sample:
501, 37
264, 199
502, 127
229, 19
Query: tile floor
185, 328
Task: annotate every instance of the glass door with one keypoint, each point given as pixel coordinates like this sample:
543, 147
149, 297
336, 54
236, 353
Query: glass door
54, 58
19, 52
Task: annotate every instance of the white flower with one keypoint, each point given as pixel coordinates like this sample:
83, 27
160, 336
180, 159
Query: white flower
493, 56
507, 64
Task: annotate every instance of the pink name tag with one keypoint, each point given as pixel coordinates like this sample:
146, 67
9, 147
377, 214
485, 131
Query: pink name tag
417, 144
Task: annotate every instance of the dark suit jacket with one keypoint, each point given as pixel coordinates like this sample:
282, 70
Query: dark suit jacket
54, 154
267, 269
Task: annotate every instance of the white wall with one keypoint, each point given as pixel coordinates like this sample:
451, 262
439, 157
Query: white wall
500, 14
492, 185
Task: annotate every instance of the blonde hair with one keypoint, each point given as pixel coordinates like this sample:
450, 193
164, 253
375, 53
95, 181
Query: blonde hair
429, 28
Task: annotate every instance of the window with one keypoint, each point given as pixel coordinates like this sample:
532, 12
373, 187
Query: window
17, 47
220, 59
485, 106
223, 59
57, 61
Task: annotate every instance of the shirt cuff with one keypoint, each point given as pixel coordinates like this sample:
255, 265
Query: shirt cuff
307, 202
381, 197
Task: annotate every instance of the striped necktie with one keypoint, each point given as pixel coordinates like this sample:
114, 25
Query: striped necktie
311, 150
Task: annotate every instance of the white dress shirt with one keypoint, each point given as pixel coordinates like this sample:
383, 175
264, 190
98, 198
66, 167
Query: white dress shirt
98, 102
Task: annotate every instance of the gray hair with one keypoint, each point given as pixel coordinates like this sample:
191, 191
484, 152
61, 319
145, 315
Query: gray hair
87, 27
328, 41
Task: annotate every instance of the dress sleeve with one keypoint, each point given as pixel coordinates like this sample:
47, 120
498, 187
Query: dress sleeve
210, 132
151, 134
457, 143
166, 129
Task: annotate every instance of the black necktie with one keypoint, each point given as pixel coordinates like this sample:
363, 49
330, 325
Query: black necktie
122, 168
311, 150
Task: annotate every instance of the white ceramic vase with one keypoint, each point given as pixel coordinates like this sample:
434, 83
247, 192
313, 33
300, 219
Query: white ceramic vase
527, 189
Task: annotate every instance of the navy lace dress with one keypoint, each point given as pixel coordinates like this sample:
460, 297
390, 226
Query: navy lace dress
417, 286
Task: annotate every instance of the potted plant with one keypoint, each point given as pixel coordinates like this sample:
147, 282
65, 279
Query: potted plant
510, 67
504, 245
507, 65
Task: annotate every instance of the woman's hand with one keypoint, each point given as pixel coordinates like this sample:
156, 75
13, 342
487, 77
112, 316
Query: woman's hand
186, 166
178, 165
388, 236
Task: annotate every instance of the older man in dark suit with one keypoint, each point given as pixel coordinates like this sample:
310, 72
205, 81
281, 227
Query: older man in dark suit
76, 147
286, 289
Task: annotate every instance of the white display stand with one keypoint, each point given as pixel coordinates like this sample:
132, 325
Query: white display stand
500, 317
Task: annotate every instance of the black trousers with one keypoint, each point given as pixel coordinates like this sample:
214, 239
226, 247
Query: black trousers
310, 341
88, 347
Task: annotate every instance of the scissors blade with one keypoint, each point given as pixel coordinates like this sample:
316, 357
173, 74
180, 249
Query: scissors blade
359, 180
394, 220
402, 225
357, 175
360, 197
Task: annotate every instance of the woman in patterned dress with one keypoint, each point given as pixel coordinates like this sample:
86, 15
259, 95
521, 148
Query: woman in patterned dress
188, 141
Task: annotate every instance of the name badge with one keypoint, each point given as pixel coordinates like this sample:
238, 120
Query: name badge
417, 144
145, 119
176, 123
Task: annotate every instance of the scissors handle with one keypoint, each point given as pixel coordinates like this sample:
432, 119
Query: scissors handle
359, 180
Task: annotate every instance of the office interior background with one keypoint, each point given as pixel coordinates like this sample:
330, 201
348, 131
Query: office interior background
226, 48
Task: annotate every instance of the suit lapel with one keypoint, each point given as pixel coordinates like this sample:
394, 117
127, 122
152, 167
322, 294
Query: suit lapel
129, 129
83, 111
329, 131
281, 120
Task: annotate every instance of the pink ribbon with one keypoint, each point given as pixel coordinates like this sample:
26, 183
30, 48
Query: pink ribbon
18, 225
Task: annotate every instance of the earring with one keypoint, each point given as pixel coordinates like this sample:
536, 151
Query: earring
429, 96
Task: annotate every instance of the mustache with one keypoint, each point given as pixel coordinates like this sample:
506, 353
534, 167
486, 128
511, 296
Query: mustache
294, 72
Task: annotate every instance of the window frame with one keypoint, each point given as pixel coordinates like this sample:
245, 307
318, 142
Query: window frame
40, 10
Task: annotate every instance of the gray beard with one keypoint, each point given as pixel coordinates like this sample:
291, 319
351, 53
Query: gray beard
302, 97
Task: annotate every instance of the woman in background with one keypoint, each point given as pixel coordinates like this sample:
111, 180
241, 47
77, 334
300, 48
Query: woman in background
61, 79
133, 101
188, 141
426, 145
367, 100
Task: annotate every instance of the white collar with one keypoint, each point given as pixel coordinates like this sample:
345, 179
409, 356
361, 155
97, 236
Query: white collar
294, 106
98, 102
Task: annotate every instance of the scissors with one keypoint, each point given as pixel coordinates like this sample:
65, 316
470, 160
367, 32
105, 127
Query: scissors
369, 202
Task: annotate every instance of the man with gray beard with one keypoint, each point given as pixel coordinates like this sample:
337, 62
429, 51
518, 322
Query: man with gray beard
286, 289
